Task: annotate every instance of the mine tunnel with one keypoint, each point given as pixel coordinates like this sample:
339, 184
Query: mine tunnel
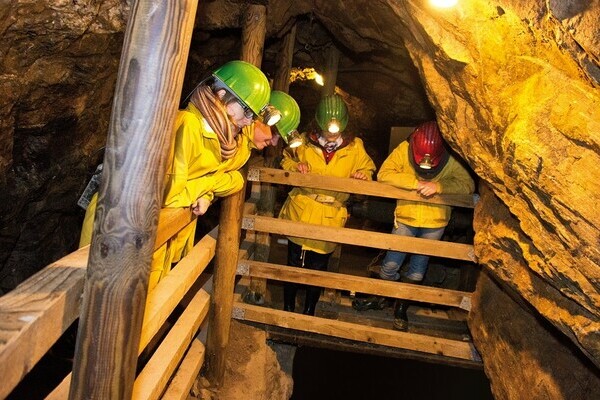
508, 307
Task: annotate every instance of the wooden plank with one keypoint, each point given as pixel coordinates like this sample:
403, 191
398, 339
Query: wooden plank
171, 221
153, 379
171, 289
301, 338
186, 374
36, 313
165, 296
346, 330
426, 294
348, 185
359, 237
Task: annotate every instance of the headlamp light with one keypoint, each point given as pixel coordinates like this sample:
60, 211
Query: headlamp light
294, 140
270, 115
426, 162
334, 126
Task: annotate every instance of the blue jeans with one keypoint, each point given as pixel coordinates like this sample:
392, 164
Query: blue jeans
418, 263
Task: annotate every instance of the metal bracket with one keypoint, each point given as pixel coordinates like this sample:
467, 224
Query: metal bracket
253, 175
243, 268
472, 256
475, 356
465, 303
238, 313
248, 223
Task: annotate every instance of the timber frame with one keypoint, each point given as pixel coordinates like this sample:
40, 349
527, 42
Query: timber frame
458, 352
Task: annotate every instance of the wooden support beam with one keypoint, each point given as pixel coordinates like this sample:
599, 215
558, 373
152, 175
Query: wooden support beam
425, 294
187, 373
330, 70
347, 330
253, 38
153, 379
357, 237
285, 58
348, 185
148, 87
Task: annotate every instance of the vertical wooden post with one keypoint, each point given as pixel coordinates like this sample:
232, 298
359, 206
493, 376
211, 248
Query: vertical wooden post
230, 223
266, 206
149, 83
284, 61
330, 70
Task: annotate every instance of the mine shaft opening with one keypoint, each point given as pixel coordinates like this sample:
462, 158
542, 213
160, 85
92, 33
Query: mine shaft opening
321, 373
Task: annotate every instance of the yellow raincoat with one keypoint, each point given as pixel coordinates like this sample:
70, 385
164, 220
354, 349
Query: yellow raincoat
193, 171
397, 171
302, 205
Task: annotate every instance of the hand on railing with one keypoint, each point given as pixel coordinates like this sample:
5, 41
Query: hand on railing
303, 168
200, 206
427, 188
359, 175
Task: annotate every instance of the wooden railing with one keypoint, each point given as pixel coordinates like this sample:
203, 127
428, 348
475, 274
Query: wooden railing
456, 349
35, 314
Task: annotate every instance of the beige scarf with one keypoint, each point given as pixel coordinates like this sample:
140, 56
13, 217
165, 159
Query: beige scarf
216, 115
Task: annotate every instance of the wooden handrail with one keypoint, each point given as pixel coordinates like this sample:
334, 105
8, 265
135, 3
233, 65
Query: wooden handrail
165, 296
347, 330
379, 287
347, 185
38, 311
357, 237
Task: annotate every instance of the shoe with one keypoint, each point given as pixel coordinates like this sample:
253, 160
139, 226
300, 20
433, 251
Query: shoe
370, 303
289, 297
252, 297
400, 317
312, 298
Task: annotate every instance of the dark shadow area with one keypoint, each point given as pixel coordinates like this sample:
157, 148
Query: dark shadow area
328, 374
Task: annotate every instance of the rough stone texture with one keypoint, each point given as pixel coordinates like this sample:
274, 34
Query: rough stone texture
58, 64
514, 85
526, 121
512, 335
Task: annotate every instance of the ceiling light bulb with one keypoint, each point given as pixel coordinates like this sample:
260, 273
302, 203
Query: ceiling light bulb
319, 79
443, 3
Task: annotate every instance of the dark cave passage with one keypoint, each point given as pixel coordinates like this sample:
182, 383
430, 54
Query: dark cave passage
330, 374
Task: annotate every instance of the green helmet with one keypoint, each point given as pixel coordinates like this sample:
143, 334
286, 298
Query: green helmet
246, 82
332, 111
290, 113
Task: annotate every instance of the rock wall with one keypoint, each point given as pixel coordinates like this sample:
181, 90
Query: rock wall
521, 111
58, 64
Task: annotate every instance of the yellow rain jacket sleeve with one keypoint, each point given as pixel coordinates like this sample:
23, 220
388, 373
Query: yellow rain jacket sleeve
397, 171
194, 158
193, 172
302, 205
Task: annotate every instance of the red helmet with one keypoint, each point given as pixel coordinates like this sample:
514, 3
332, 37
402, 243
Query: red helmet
427, 146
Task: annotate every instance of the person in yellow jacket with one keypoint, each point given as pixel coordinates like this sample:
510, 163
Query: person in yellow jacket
423, 164
206, 135
328, 152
